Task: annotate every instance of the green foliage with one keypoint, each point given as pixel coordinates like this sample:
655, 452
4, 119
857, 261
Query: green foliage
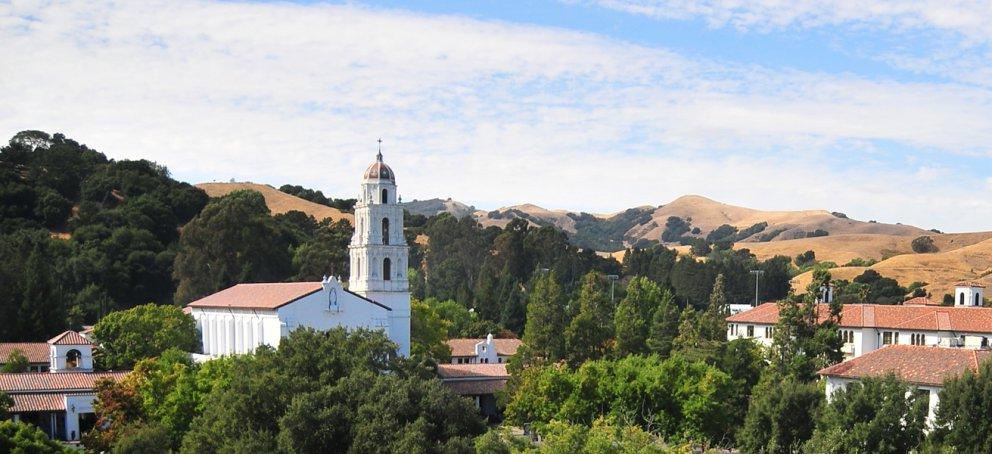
19, 437
5, 403
858, 261
923, 245
326, 254
633, 316
596, 233
334, 390
232, 240
428, 332
781, 416
872, 288
316, 196
675, 229
16, 362
589, 334
143, 438
962, 422
880, 415
129, 336
545, 328
806, 340
664, 326
805, 259
602, 437
674, 398
701, 336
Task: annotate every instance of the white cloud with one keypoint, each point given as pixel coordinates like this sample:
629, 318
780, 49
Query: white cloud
486, 112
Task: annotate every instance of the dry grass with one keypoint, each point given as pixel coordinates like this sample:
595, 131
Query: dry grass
278, 201
841, 249
940, 270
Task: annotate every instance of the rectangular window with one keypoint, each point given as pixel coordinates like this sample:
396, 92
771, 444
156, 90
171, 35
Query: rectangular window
847, 336
750, 330
917, 338
769, 331
887, 338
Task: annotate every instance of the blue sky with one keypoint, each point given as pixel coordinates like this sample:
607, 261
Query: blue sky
881, 110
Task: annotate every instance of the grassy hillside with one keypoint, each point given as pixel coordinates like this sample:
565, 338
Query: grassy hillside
278, 201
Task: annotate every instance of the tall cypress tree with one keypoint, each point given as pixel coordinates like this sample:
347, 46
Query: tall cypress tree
664, 325
545, 326
588, 335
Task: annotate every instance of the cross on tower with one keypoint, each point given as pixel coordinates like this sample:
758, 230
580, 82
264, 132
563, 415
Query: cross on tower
379, 156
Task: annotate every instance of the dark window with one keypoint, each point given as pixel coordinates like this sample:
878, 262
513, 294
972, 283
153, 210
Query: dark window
750, 330
961, 299
72, 359
887, 338
386, 267
384, 196
385, 230
978, 301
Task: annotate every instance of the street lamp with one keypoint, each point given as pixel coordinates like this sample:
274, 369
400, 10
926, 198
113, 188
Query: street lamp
613, 279
756, 274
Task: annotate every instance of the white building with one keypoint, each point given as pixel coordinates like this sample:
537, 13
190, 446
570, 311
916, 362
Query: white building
245, 316
924, 368
59, 401
483, 351
868, 327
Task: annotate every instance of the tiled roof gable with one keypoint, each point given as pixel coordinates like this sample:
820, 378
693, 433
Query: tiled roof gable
917, 364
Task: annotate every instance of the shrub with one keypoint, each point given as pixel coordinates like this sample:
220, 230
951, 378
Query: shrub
923, 245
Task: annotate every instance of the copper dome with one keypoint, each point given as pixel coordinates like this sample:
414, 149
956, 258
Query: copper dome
379, 170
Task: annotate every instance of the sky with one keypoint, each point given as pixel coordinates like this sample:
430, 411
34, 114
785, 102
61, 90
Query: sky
881, 110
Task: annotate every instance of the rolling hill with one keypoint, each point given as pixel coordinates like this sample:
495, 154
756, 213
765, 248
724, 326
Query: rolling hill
278, 201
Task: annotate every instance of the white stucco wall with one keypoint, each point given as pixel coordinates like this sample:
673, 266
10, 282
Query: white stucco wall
75, 405
57, 358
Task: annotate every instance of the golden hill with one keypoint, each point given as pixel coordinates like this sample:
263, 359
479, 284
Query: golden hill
841, 249
940, 270
278, 202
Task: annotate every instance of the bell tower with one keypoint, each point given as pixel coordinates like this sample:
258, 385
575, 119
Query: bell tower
379, 252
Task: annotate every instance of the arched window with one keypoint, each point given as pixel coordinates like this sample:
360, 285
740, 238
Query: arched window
978, 300
961, 299
386, 265
384, 197
385, 230
72, 358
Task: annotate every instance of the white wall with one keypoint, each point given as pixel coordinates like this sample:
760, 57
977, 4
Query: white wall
74, 406
57, 358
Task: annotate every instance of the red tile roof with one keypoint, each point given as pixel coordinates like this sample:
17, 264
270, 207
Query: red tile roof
49, 381
466, 347
36, 352
916, 364
473, 379
921, 301
69, 338
922, 318
258, 296
37, 402
470, 371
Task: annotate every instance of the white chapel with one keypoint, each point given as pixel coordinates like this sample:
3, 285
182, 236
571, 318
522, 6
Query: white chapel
241, 318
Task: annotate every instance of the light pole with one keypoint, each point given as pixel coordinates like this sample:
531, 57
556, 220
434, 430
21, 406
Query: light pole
613, 279
756, 274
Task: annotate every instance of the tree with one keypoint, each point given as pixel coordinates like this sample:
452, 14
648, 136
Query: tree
633, 314
664, 326
805, 259
428, 332
544, 331
781, 416
326, 254
42, 310
5, 403
590, 331
923, 245
232, 240
143, 438
880, 415
142, 332
16, 362
807, 339
19, 437
962, 423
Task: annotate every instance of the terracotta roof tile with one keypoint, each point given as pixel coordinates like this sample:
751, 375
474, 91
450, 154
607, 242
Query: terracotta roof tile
466, 347
48, 381
469, 371
37, 402
917, 364
921, 301
258, 296
923, 318
69, 338
475, 387
36, 352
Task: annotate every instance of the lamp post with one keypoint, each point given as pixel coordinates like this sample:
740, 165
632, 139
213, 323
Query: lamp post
613, 279
756, 274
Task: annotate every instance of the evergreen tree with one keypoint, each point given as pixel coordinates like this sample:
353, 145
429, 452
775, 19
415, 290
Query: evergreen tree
546, 318
963, 422
713, 324
588, 335
42, 312
807, 338
633, 314
879, 415
781, 416
664, 326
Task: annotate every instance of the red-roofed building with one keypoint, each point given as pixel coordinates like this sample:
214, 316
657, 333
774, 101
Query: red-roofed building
241, 318
867, 327
924, 367
479, 381
57, 398
483, 351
